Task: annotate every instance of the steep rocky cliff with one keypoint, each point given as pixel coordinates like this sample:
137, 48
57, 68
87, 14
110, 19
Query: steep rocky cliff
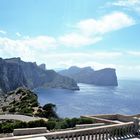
16, 73
42, 66
11, 76
104, 77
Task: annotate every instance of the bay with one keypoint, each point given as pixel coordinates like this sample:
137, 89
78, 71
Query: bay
90, 99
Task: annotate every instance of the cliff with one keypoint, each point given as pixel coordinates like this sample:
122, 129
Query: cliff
11, 76
103, 77
42, 66
16, 73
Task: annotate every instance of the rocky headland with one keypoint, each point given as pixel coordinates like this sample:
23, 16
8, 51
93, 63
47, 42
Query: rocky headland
16, 73
103, 77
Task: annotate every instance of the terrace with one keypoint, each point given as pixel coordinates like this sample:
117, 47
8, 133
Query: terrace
114, 127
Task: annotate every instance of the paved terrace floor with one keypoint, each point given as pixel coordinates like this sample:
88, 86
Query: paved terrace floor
19, 117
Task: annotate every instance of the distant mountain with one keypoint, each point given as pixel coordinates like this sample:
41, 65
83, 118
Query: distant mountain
16, 73
103, 77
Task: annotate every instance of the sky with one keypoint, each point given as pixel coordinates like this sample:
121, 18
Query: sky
63, 33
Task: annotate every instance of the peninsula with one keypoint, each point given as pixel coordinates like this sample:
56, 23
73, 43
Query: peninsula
103, 77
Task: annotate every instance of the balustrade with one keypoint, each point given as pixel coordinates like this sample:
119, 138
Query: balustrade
109, 132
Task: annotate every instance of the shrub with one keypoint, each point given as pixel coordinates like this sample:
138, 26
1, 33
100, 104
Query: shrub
0, 128
4, 108
19, 91
38, 123
34, 104
73, 122
26, 110
8, 128
23, 93
49, 111
24, 98
49, 106
50, 125
11, 110
84, 121
70, 123
39, 113
20, 124
61, 125
13, 102
17, 103
33, 99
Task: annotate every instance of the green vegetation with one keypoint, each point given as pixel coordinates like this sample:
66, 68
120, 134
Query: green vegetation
20, 101
24, 101
70, 123
4, 108
47, 111
27, 102
52, 124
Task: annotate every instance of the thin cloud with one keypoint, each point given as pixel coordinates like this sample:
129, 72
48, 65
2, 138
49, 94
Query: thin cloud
91, 31
18, 34
132, 5
29, 49
3, 32
134, 53
108, 23
85, 32
93, 55
77, 40
82, 59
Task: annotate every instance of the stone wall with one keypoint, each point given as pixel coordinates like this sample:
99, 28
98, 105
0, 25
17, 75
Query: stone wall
29, 131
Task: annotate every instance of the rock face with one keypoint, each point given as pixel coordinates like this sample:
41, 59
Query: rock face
42, 66
11, 76
16, 73
103, 77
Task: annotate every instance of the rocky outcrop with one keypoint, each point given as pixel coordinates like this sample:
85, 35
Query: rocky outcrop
11, 76
104, 77
21, 101
42, 66
16, 73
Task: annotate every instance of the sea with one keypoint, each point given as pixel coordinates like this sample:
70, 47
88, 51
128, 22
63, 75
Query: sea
91, 99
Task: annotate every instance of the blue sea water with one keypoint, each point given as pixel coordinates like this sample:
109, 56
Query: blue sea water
92, 99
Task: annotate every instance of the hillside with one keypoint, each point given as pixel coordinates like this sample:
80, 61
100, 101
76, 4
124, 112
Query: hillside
21, 101
24, 101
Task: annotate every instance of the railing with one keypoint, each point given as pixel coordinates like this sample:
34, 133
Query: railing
115, 131
119, 131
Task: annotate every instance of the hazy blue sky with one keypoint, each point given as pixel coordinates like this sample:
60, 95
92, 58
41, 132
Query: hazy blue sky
62, 33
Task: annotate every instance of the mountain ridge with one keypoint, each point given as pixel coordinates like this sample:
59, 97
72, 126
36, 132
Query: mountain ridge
16, 73
103, 77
